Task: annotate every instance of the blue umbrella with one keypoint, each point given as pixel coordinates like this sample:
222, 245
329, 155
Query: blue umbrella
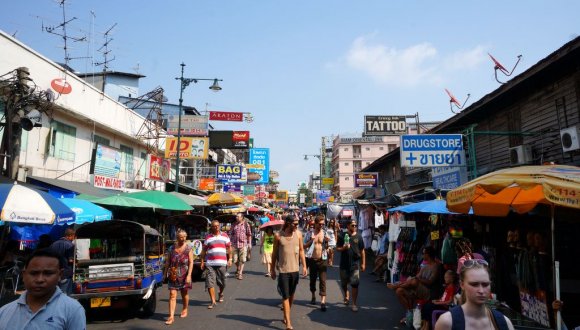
24, 205
86, 211
438, 206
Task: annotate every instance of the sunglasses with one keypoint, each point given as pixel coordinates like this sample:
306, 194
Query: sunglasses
470, 263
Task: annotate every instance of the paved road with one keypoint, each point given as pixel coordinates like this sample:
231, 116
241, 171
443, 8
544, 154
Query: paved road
253, 303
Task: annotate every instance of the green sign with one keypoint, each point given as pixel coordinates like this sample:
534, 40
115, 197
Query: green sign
249, 190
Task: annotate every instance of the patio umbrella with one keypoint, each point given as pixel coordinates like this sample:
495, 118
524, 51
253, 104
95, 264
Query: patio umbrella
164, 199
224, 199
190, 199
27, 205
231, 209
86, 211
272, 224
125, 201
437, 206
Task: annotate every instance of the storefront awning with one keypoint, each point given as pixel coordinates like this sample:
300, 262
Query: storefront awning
72, 186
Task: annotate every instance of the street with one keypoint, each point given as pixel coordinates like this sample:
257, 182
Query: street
254, 303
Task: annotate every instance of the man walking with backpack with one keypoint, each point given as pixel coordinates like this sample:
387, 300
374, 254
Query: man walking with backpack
241, 240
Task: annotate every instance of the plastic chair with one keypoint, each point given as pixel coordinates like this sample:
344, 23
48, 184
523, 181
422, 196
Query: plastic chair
435, 316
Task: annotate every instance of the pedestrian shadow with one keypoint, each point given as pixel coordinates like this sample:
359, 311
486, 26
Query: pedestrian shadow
192, 302
262, 301
255, 321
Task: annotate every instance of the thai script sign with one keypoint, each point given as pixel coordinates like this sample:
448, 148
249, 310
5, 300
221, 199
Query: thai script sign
432, 150
366, 180
259, 156
190, 125
207, 184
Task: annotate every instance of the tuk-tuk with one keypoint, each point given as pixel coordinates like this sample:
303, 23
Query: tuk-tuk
197, 227
118, 264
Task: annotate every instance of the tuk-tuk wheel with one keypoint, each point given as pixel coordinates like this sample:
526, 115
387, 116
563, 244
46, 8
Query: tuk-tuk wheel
150, 305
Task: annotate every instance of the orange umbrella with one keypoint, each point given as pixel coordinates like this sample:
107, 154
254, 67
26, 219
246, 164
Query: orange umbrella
518, 189
224, 199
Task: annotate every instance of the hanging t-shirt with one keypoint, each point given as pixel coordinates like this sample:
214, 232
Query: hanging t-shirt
394, 225
379, 219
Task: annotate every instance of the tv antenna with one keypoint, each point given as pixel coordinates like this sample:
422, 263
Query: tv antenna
60, 30
453, 100
105, 50
502, 69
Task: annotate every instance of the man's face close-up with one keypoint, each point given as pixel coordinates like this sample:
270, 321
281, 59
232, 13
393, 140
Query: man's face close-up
41, 276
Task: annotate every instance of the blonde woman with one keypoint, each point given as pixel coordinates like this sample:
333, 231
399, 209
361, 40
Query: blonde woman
178, 267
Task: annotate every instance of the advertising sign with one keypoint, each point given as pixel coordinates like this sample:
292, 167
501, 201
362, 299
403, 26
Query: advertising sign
259, 156
228, 172
207, 184
226, 116
448, 177
106, 161
108, 182
159, 169
366, 180
385, 125
190, 125
241, 139
232, 188
323, 196
249, 190
327, 181
432, 150
302, 198
190, 148
282, 196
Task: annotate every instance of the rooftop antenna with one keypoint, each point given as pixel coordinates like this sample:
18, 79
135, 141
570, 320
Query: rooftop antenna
105, 50
502, 69
63, 34
453, 100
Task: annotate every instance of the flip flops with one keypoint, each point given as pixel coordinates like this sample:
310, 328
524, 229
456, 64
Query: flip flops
221, 298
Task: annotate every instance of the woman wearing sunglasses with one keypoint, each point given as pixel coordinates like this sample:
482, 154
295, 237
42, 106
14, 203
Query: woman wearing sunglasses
474, 314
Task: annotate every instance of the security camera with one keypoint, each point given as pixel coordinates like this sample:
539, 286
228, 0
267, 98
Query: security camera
31, 119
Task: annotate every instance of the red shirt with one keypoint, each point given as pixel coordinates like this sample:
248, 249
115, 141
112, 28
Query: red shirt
449, 292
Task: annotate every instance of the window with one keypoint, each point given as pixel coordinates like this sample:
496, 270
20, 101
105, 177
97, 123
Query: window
23, 140
62, 141
368, 163
381, 148
101, 140
345, 164
127, 165
143, 165
347, 178
367, 149
392, 147
345, 149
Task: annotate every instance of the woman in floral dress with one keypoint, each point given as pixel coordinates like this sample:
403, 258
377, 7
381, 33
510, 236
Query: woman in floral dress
178, 267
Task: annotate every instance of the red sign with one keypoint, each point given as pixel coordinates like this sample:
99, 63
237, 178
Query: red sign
108, 183
159, 168
61, 86
207, 184
226, 116
241, 138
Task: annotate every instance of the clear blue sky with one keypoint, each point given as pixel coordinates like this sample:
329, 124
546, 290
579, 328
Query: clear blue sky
306, 69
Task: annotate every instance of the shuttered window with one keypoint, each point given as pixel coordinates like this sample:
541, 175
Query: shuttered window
127, 163
62, 141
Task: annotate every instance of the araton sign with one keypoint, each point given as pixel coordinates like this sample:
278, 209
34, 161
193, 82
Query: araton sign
385, 125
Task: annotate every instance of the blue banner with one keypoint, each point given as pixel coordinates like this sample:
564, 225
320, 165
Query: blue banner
259, 156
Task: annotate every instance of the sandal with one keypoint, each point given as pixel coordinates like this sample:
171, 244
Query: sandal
346, 301
240, 277
183, 314
211, 306
169, 321
221, 298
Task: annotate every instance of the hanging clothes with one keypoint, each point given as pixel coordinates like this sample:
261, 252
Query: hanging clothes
379, 218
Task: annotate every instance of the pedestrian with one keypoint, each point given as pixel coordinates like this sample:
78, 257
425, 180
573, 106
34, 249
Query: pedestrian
241, 237
266, 248
382, 258
43, 305
215, 256
474, 314
440, 304
65, 249
288, 251
332, 233
307, 236
352, 262
318, 256
178, 268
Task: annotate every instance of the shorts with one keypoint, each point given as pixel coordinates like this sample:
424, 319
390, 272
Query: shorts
351, 277
240, 255
287, 283
267, 258
215, 275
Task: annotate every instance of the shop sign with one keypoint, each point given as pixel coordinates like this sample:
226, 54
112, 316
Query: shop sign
108, 182
190, 125
366, 180
432, 150
259, 156
226, 116
61, 86
241, 138
302, 198
385, 125
327, 181
366, 139
282, 196
256, 166
159, 169
228, 172
207, 184
106, 161
448, 177
189, 148
232, 188
323, 196
249, 190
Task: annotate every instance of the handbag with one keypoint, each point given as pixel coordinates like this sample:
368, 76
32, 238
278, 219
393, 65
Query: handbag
172, 273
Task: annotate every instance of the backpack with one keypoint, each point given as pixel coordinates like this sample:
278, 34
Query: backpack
458, 319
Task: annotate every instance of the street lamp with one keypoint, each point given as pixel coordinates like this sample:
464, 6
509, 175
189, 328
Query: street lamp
184, 83
320, 174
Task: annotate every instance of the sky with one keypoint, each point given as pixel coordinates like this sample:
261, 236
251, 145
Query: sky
304, 69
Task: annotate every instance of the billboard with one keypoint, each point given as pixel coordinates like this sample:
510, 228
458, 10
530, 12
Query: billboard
448, 177
432, 150
190, 125
224, 172
159, 169
229, 140
226, 116
327, 181
385, 125
106, 161
366, 180
282, 196
190, 148
207, 184
323, 196
259, 156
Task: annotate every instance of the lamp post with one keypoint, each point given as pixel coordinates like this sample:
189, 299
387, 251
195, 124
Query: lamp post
320, 174
184, 83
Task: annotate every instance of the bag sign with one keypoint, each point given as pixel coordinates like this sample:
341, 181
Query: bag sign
385, 125
228, 172
432, 150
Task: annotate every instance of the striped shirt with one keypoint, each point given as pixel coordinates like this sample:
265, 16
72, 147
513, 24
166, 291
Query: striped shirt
216, 249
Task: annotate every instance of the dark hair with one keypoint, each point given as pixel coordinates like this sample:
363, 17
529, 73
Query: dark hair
49, 253
429, 250
69, 232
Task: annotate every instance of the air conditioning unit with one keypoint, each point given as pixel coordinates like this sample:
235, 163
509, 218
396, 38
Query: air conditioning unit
521, 155
570, 138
